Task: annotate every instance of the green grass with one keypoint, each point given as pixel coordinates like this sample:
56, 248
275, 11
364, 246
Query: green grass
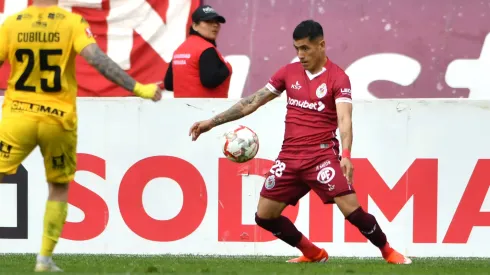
105, 264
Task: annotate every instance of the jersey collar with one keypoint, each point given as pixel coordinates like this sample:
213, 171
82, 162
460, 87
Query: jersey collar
313, 76
324, 69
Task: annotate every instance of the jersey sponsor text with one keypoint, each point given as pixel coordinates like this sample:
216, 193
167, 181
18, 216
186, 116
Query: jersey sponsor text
317, 106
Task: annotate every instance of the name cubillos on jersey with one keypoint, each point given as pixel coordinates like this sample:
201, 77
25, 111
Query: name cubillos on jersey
41, 45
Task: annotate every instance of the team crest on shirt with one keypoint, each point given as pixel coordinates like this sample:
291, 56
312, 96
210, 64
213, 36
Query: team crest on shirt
321, 91
89, 33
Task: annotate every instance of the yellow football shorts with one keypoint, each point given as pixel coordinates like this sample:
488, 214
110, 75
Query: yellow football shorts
19, 137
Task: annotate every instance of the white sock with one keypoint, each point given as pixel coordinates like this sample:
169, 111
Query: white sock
43, 259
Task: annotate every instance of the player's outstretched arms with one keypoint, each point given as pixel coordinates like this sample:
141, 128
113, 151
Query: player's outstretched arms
109, 69
243, 108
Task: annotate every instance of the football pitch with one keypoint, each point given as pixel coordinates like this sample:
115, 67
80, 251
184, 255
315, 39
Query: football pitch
105, 264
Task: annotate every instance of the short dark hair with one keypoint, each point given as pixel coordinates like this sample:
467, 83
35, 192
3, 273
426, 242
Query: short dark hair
308, 29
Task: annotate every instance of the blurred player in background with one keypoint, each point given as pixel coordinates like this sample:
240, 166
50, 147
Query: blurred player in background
39, 108
319, 101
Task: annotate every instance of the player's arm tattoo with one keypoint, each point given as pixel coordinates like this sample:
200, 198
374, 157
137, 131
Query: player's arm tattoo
107, 67
244, 107
344, 113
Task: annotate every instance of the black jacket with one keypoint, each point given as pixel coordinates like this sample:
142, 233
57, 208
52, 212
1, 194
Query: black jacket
212, 71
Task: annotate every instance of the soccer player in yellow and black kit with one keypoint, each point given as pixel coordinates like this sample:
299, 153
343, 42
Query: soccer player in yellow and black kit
39, 108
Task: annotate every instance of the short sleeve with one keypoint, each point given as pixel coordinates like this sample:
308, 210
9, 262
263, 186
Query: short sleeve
277, 83
82, 34
342, 92
4, 42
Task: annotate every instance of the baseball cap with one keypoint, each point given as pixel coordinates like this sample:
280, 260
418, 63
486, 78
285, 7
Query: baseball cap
206, 12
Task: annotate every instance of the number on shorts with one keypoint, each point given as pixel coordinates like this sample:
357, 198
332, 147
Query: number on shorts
44, 66
278, 168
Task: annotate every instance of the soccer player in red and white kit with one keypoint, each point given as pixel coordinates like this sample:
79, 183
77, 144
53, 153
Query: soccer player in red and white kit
318, 101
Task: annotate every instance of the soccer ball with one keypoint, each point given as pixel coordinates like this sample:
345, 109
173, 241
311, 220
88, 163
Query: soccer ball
240, 144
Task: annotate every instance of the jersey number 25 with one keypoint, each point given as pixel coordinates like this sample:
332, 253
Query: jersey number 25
44, 66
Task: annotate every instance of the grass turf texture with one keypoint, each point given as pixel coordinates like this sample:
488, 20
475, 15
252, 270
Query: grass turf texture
124, 264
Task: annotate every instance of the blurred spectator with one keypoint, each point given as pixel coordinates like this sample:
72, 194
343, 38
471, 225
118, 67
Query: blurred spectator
198, 70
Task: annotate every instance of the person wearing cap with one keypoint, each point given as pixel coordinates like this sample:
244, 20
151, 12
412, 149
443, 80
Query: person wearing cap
198, 70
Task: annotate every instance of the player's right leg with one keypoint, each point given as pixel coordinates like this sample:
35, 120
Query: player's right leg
18, 137
58, 148
17, 140
281, 188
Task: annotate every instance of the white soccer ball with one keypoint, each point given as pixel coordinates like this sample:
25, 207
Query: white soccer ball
240, 144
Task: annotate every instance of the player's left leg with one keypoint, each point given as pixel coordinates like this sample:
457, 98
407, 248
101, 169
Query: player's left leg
58, 148
368, 226
326, 179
